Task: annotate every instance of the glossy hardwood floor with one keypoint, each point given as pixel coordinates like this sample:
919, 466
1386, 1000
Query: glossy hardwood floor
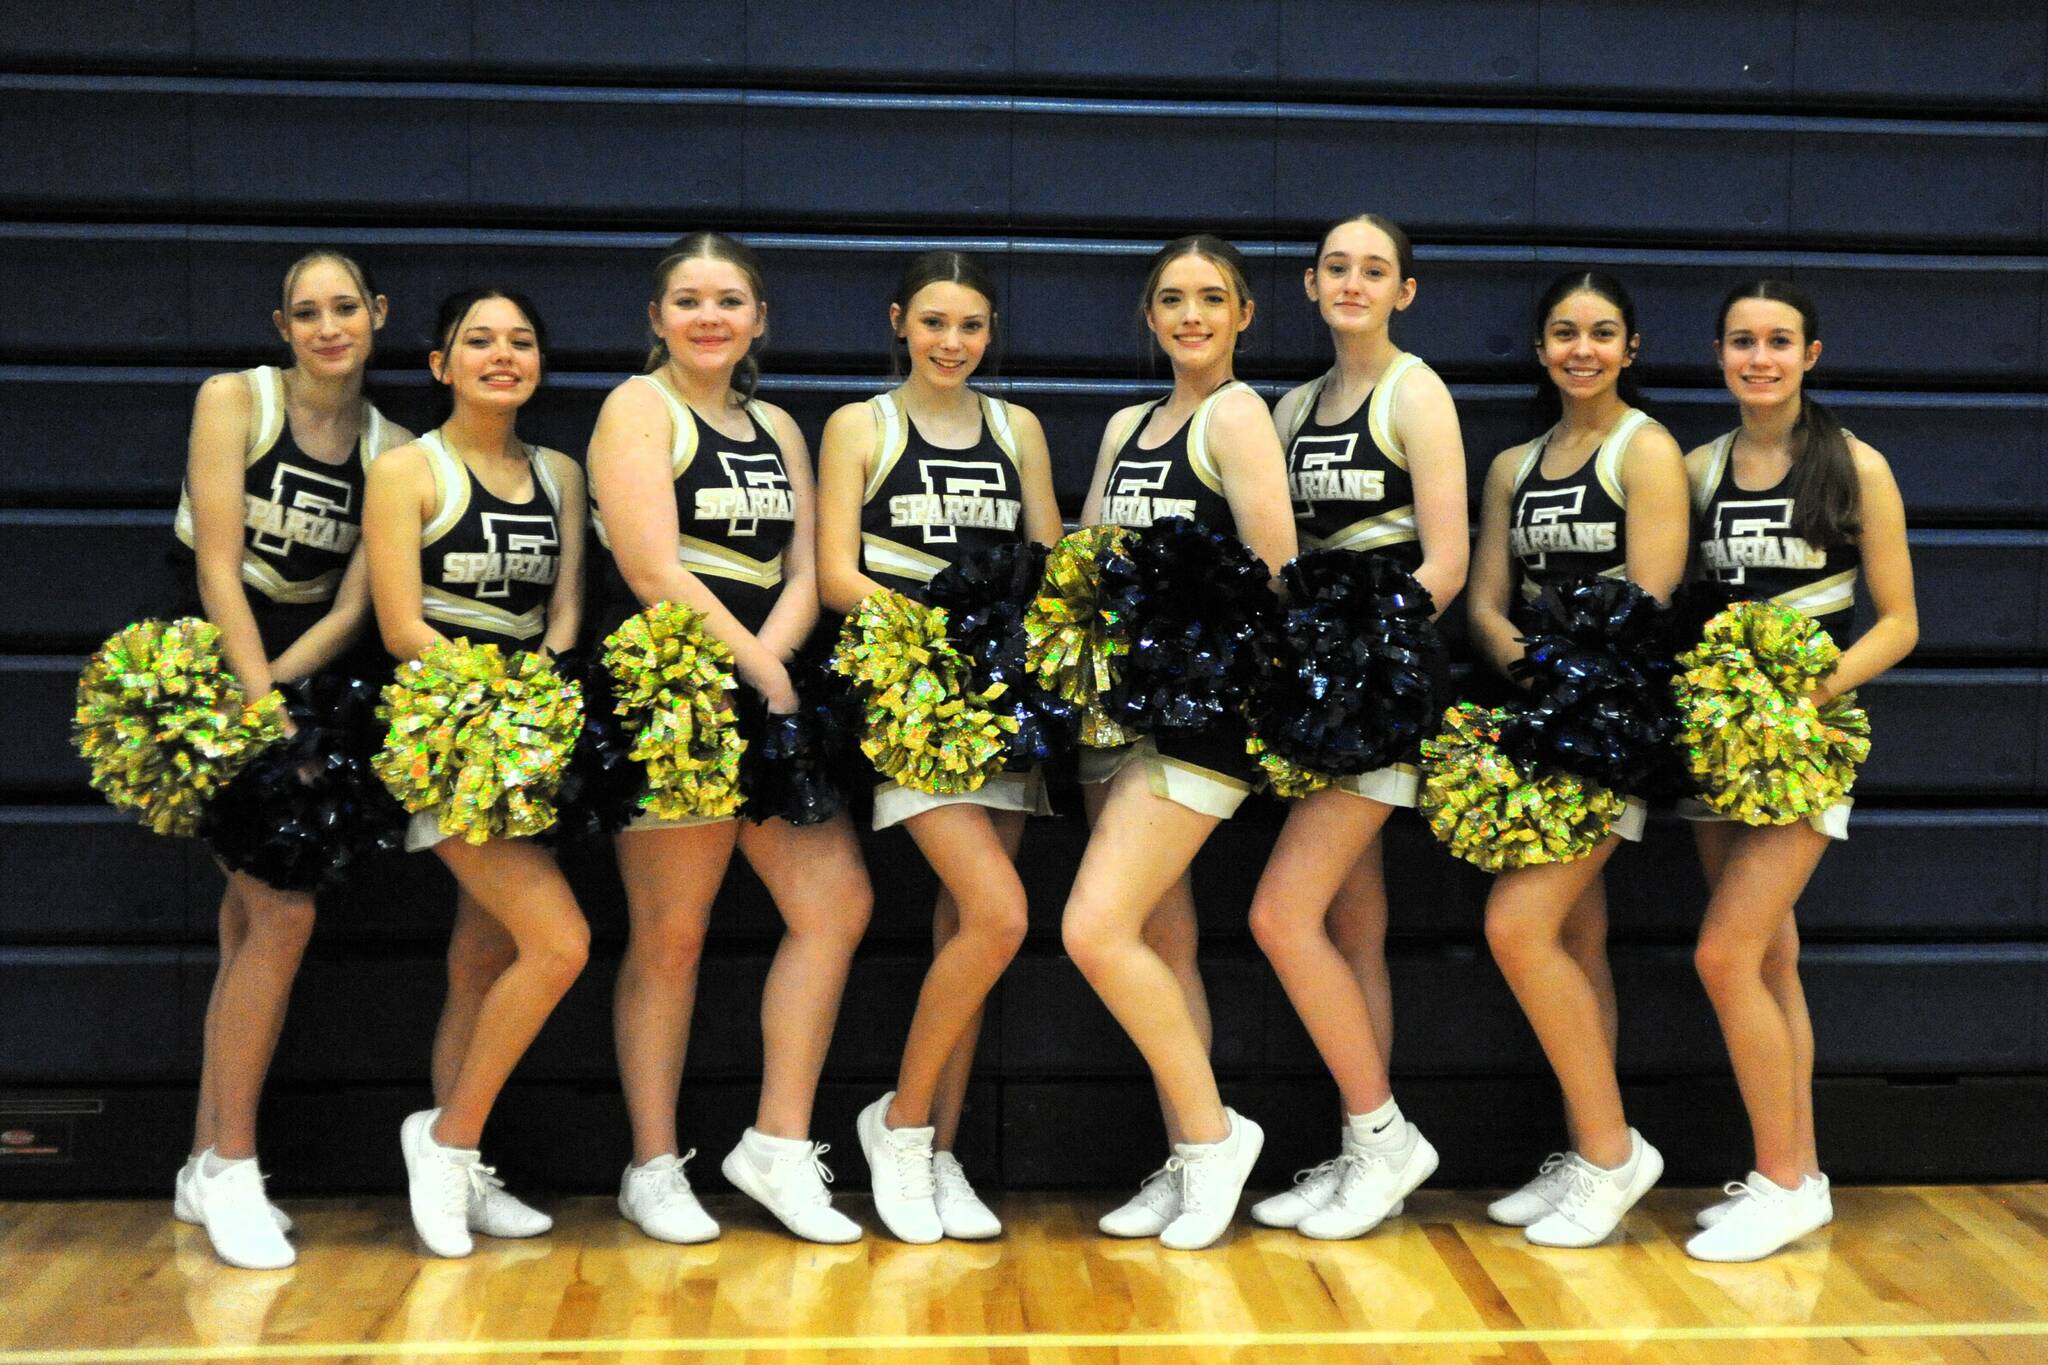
1904, 1274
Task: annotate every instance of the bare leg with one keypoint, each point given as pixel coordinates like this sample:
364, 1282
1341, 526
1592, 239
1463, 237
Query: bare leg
251, 993
1525, 918
819, 884
974, 851
1140, 845
1585, 938
671, 878
1318, 846
479, 951
1765, 870
517, 883
1358, 926
233, 928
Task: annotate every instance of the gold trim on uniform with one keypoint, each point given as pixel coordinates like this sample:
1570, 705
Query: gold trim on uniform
704, 557
1531, 590
1837, 592
1396, 527
437, 604
889, 557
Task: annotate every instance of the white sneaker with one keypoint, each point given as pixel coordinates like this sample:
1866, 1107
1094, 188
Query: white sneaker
495, 1211
236, 1216
1714, 1213
1824, 1197
440, 1181
900, 1174
656, 1198
1535, 1199
1212, 1176
961, 1211
1146, 1213
1373, 1182
1595, 1199
186, 1210
787, 1176
1764, 1217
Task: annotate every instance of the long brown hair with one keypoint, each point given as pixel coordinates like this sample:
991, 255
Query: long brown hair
709, 246
1827, 498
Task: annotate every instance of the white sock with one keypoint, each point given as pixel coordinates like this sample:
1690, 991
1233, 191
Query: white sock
213, 1163
765, 1147
1383, 1127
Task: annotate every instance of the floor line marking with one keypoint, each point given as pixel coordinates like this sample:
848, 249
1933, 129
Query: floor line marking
1476, 1336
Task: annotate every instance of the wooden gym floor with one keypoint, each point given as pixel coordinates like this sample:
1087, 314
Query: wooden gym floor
1903, 1274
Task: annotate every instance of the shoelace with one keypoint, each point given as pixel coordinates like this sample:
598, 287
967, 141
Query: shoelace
952, 1180
1581, 1181
1161, 1185
1358, 1165
817, 1193
913, 1169
1310, 1174
678, 1179
1176, 1172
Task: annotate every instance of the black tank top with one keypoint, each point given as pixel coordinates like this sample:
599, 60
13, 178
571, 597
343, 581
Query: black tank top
735, 516
926, 507
1177, 478
1746, 543
1349, 480
488, 566
1575, 526
302, 517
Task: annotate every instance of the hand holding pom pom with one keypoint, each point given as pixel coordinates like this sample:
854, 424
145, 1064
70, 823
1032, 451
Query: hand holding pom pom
1078, 627
985, 596
1494, 814
1598, 667
163, 723
925, 726
1200, 608
674, 683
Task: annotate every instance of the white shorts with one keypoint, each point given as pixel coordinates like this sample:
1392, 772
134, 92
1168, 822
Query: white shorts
1833, 822
1203, 790
647, 819
1397, 784
1630, 824
424, 831
895, 803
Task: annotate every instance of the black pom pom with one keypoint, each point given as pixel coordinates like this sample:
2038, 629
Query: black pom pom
1598, 666
985, 595
797, 766
1200, 608
1357, 675
602, 783
305, 809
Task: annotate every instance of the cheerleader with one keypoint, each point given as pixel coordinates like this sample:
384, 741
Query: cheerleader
1792, 510
1375, 464
702, 495
472, 533
910, 482
1206, 451
272, 512
1601, 492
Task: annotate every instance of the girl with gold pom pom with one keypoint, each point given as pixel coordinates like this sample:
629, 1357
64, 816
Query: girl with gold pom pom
475, 546
1792, 512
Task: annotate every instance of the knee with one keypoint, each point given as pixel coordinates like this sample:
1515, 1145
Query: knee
671, 947
1510, 938
997, 924
1090, 935
560, 950
839, 917
1723, 961
1277, 932
282, 919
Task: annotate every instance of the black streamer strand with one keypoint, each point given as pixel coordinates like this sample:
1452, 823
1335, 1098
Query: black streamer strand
797, 767
301, 813
1598, 667
1201, 614
985, 595
1357, 675
602, 783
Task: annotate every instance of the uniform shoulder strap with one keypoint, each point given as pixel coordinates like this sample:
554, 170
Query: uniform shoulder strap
1532, 455
1708, 481
1200, 459
451, 488
1379, 411
547, 472
1126, 426
995, 415
1607, 460
892, 434
1306, 409
266, 413
682, 446
764, 421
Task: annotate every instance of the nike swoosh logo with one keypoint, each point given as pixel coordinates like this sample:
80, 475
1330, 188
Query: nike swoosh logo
1383, 1127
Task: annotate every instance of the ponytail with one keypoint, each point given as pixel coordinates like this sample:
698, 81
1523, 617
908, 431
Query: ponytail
1827, 497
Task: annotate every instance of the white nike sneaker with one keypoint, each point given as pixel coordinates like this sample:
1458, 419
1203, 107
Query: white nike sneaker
1212, 1176
1146, 1213
440, 1181
656, 1198
185, 1210
1533, 1200
1595, 1198
495, 1211
788, 1176
961, 1210
900, 1174
237, 1217
1765, 1217
1373, 1183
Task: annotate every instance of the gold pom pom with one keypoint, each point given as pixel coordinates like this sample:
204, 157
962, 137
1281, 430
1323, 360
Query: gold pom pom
1760, 750
164, 725
1074, 637
1285, 779
674, 682
1490, 813
924, 725
479, 739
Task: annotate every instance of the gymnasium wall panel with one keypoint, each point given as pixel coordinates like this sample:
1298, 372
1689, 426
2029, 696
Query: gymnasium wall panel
108, 1013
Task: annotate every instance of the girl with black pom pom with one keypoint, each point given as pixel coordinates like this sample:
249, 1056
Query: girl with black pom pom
1793, 510
912, 482
1376, 465
272, 511
702, 495
474, 534
1602, 492
1206, 452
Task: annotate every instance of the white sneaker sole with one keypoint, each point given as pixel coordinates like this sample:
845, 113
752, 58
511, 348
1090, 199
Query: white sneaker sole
1647, 1175
185, 1212
740, 1173
1254, 1141
1420, 1166
411, 1133
693, 1239
899, 1216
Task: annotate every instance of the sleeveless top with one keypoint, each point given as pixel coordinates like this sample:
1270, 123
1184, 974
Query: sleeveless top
1746, 542
488, 566
735, 515
1573, 526
926, 507
1349, 480
1178, 478
301, 520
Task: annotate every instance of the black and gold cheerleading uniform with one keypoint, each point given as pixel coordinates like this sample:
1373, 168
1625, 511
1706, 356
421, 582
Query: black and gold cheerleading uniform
1574, 527
302, 517
1746, 543
1209, 773
924, 508
735, 516
487, 566
1352, 490
1349, 480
